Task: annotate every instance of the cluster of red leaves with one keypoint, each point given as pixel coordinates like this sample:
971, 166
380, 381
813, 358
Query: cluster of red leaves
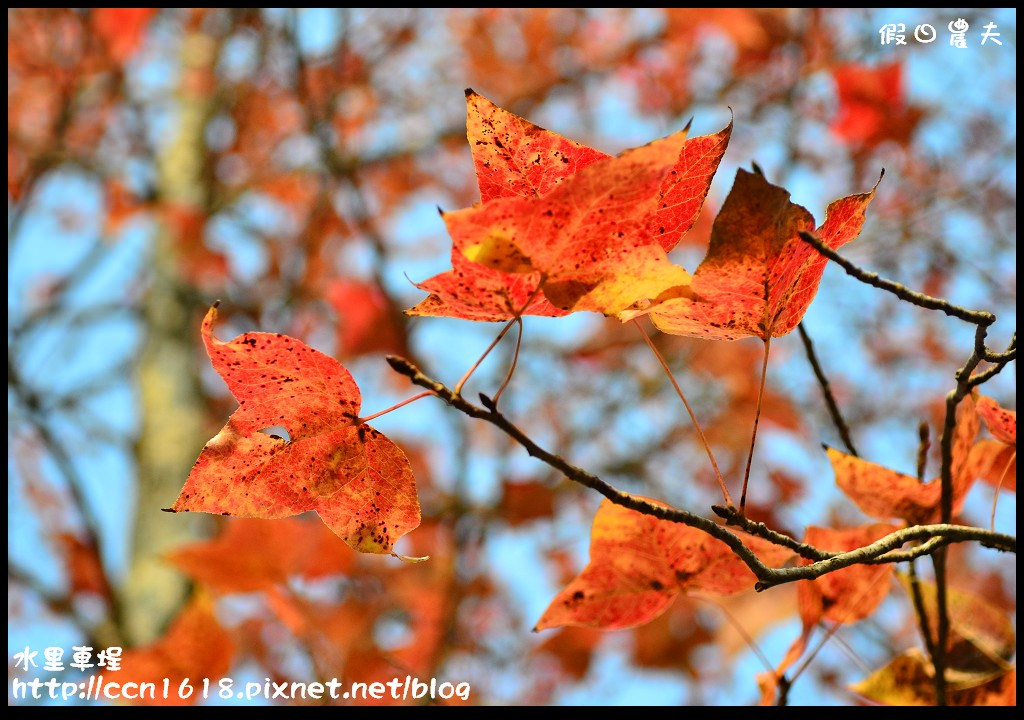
560, 227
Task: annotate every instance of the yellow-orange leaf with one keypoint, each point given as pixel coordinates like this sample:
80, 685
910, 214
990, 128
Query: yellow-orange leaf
910, 680
638, 564
981, 640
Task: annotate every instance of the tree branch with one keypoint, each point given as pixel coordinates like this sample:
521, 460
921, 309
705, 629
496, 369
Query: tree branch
826, 390
876, 553
977, 317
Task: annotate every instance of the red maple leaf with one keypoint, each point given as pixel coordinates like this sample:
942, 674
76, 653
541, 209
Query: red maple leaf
358, 481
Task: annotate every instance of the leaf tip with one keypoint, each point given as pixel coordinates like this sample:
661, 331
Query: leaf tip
168, 510
757, 168
470, 92
215, 305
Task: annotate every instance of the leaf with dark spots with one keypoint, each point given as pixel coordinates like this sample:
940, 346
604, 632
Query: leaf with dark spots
758, 277
475, 292
1000, 422
514, 157
638, 564
353, 478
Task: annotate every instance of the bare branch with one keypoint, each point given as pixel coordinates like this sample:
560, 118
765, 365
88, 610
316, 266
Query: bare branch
977, 317
826, 390
877, 552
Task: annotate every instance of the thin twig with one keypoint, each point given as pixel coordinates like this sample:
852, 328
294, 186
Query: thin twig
733, 517
826, 390
919, 610
767, 576
977, 317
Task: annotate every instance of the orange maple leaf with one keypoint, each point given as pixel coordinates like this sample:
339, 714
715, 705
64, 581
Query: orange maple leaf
872, 105
758, 277
358, 481
638, 564
883, 493
253, 555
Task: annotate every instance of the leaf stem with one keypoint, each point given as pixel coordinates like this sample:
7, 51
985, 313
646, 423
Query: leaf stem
462, 381
757, 419
689, 410
517, 317
515, 359
414, 398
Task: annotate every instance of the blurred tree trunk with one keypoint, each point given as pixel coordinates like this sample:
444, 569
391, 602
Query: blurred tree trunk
172, 407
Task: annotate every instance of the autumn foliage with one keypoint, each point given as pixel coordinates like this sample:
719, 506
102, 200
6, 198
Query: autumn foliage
628, 287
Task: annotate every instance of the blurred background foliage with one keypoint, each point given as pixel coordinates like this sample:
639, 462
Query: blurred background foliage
290, 162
